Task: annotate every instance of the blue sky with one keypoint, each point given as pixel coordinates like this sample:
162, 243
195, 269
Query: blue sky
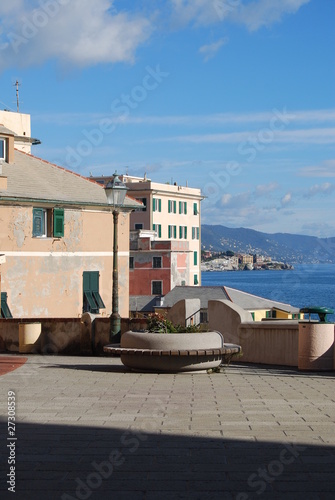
236, 97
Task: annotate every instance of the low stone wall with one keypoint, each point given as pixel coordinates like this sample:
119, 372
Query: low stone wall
269, 342
78, 336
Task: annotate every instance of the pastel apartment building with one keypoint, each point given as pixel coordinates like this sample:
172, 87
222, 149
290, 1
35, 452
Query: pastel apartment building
56, 235
173, 212
156, 266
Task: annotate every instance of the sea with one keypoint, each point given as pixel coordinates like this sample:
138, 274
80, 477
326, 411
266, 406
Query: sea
305, 285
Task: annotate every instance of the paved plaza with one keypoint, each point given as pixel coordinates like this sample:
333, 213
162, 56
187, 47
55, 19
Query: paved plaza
87, 428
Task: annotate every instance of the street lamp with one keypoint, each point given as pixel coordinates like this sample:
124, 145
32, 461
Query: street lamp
115, 192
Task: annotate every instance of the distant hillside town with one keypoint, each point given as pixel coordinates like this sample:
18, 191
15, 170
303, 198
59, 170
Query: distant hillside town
228, 261
281, 247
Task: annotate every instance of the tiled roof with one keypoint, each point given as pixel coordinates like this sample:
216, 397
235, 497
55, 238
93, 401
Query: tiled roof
253, 302
6, 131
245, 300
204, 293
142, 303
30, 177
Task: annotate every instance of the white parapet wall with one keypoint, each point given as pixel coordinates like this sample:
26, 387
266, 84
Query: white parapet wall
268, 342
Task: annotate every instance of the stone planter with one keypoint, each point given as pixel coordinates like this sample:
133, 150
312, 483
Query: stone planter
172, 352
316, 346
29, 337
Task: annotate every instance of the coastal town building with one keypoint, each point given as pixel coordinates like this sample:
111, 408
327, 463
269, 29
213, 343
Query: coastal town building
56, 237
259, 307
156, 266
173, 212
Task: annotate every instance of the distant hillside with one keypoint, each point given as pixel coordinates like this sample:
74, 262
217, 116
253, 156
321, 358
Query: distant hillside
290, 248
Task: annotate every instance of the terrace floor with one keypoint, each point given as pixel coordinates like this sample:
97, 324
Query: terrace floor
87, 427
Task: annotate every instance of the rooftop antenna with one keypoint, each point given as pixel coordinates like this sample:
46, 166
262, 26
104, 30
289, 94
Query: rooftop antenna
17, 84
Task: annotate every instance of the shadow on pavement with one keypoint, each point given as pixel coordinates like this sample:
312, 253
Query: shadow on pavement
80, 462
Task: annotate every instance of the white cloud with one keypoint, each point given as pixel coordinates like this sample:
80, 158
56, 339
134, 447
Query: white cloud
260, 13
286, 200
209, 51
253, 15
323, 189
265, 189
248, 137
325, 169
78, 32
307, 117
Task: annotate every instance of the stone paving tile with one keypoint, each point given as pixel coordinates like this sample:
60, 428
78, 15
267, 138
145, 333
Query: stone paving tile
194, 436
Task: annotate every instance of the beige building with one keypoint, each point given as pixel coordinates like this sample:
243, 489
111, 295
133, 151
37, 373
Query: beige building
56, 235
173, 212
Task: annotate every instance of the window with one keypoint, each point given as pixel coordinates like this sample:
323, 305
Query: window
172, 231
158, 229
144, 201
131, 262
2, 149
92, 300
195, 233
195, 280
157, 262
182, 207
156, 205
183, 232
138, 226
5, 311
48, 222
195, 258
172, 206
156, 288
195, 209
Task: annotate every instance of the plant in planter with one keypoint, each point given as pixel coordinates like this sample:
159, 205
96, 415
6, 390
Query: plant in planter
158, 323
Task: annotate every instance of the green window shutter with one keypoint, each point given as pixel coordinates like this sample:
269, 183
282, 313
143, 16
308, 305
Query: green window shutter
195, 279
159, 205
169, 231
180, 232
180, 207
169, 206
153, 204
195, 258
175, 231
253, 316
193, 233
5, 311
92, 296
98, 300
159, 230
58, 222
38, 222
185, 207
198, 233
174, 207
195, 209
185, 232
267, 314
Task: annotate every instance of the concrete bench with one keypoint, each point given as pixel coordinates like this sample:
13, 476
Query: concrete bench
172, 352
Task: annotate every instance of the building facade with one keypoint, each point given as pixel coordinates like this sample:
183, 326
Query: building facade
156, 266
56, 237
173, 212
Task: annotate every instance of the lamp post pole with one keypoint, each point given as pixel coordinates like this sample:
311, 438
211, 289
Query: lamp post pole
115, 319
116, 192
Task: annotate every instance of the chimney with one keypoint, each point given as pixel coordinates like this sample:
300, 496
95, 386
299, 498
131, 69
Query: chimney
3, 179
